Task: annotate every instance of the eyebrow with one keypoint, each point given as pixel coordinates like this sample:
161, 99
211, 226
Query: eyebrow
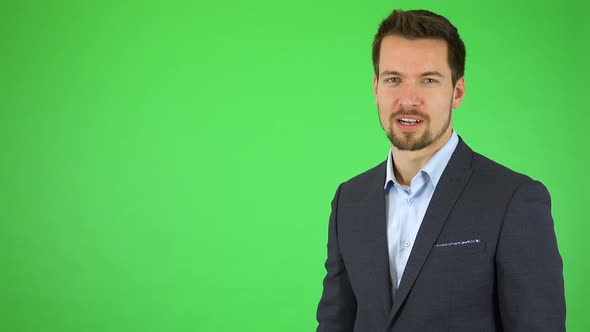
396, 73
390, 72
432, 73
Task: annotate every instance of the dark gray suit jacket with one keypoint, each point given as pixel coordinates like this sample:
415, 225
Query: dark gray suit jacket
485, 257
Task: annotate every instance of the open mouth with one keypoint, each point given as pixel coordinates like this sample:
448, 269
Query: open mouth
409, 122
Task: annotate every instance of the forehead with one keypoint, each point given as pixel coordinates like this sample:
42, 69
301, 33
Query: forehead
405, 55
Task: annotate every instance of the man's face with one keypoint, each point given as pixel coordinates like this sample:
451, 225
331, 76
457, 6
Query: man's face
414, 92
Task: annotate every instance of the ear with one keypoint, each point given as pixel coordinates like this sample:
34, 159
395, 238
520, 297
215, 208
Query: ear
375, 83
458, 93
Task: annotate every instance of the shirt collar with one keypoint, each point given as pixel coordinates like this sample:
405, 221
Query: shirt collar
434, 167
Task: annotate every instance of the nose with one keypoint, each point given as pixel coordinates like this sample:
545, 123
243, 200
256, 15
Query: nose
409, 96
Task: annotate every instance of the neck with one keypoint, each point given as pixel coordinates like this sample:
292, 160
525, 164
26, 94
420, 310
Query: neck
408, 163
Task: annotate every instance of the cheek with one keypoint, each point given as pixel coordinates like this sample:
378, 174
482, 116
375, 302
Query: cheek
384, 117
386, 102
384, 111
440, 103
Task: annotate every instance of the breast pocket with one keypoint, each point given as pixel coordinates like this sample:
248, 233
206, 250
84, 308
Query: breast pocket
458, 247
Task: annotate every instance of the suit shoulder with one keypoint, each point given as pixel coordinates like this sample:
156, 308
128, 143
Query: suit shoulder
373, 174
365, 182
496, 172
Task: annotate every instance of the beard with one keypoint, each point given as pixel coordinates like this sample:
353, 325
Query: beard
407, 141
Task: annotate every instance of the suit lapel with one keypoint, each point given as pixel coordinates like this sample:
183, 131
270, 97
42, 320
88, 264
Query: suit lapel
377, 230
447, 191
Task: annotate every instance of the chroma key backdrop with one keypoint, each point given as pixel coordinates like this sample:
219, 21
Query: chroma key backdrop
169, 165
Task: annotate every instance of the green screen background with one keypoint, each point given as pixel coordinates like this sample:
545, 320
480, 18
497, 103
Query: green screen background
169, 165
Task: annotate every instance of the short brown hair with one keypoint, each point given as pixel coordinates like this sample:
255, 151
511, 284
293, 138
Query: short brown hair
419, 24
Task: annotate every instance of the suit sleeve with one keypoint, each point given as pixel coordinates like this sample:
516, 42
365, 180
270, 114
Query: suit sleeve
337, 308
529, 266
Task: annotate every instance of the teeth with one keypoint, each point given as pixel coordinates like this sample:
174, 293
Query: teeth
409, 121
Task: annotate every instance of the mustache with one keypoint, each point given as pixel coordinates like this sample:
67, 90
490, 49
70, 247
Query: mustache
413, 112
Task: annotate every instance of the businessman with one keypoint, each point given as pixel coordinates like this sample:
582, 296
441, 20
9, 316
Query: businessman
436, 237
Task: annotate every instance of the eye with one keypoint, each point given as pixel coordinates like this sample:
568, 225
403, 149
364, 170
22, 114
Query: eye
430, 80
393, 80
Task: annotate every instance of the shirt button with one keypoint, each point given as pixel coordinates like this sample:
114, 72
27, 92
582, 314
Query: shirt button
410, 200
407, 244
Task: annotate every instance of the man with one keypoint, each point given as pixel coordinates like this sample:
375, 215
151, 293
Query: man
437, 237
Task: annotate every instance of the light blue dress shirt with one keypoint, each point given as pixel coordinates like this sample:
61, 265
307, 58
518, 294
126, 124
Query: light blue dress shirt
406, 206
